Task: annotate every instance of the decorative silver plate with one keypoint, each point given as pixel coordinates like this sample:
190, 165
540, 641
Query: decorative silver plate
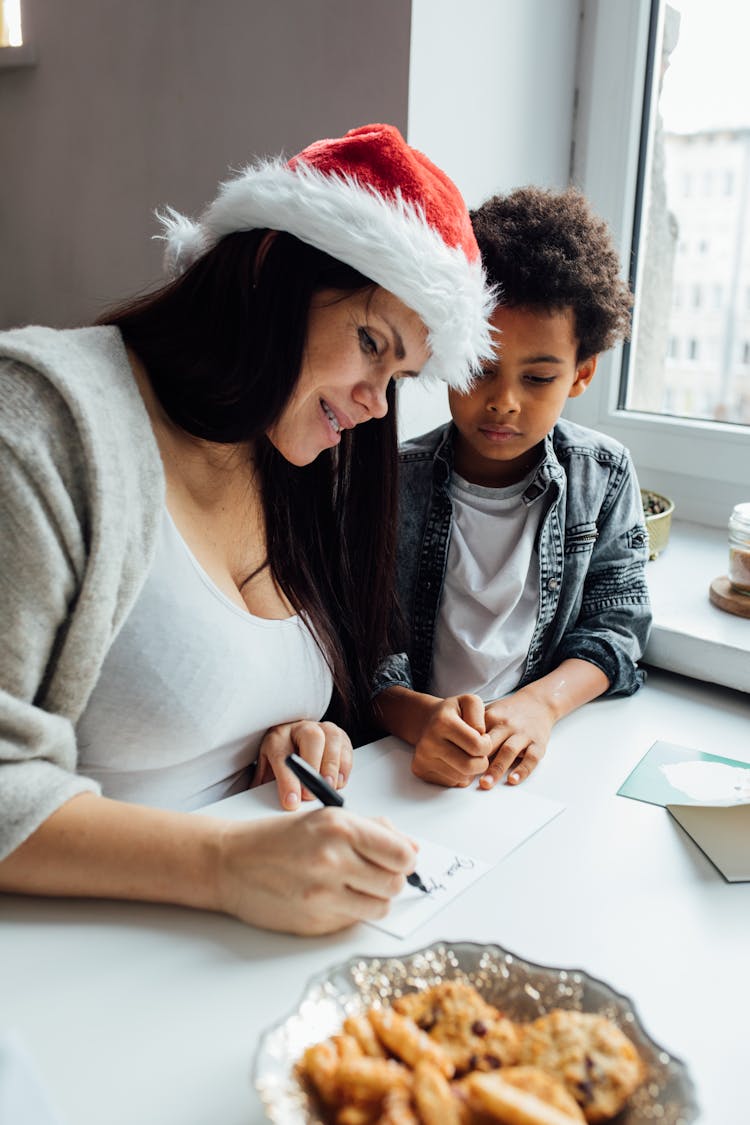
522, 989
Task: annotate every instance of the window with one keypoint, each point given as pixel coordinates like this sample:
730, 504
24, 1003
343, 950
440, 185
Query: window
649, 147
14, 45
10, 23
685, 133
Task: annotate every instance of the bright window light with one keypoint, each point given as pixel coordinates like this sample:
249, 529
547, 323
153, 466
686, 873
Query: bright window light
695, 218
10, 23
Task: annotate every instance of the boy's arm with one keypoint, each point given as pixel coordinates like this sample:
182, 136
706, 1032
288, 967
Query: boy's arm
448, 735
519, 725
597, 654
614, 620
404, 712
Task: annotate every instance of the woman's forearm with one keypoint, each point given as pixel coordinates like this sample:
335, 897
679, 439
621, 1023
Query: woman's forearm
96, 847
310, 873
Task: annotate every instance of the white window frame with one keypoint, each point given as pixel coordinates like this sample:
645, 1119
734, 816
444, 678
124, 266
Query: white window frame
703, 466
23, 55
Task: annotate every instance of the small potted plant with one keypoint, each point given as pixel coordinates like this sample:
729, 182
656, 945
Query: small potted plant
657, 510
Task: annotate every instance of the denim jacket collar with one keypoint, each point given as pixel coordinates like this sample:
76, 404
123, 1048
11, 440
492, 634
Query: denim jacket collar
548, 471
591, 547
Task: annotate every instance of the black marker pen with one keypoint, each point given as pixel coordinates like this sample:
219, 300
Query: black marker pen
320, 788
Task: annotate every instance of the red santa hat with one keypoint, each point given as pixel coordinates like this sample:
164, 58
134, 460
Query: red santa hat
372, 201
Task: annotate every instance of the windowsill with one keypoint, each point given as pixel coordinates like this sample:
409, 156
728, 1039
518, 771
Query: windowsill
690, 635
17, 56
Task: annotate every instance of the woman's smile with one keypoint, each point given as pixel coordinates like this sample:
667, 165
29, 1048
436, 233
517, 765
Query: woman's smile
331, 418
356, 343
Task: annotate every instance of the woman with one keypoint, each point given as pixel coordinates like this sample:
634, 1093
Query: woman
198, 543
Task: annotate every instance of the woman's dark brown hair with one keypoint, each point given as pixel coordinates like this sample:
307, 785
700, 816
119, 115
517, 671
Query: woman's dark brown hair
223, 346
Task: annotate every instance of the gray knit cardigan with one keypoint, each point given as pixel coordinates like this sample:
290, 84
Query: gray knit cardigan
81, 495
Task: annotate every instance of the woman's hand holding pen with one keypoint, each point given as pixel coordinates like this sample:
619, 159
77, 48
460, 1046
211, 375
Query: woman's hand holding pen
324, 746
311, 874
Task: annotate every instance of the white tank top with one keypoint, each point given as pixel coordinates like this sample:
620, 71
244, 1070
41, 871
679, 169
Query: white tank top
490, 598
189, 687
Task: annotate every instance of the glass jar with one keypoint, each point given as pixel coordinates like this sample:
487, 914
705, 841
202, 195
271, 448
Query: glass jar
739, 548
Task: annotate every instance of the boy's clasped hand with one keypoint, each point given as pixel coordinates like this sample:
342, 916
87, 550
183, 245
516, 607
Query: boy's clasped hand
466, 740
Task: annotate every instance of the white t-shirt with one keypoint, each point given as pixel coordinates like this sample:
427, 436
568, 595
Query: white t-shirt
490, 597
190, 686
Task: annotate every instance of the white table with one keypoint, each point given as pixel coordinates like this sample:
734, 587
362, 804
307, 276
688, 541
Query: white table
151, 1014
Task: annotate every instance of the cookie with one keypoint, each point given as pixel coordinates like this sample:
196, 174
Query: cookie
596, 1061
433, 1096
407, 1041
543, 1085
474, 1034
521, 1096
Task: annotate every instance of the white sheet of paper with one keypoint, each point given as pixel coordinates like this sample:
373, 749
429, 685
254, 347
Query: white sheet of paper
464, 831
23, 1095
445, 875
470, 830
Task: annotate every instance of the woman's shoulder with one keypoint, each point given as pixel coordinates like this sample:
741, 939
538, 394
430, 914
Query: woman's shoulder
72, 363
72, 419
36, 423
52, 366
72, 389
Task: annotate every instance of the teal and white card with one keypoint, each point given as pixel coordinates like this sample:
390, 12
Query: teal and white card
669, 774
708, 796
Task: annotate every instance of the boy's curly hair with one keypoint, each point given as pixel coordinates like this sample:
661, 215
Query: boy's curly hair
548, 249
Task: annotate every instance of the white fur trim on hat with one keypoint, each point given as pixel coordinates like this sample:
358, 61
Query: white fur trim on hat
184, 238
385, 239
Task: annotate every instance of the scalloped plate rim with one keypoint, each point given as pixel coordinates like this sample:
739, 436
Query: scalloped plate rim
320, 977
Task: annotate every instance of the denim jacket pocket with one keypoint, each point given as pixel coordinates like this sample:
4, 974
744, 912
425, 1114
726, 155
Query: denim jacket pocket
580, 538
637, 537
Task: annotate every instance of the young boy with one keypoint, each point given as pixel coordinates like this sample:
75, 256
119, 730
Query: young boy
522, 541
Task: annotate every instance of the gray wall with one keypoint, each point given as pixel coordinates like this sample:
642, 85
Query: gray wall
132, 106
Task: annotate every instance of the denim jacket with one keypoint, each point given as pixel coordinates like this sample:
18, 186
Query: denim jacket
592, 546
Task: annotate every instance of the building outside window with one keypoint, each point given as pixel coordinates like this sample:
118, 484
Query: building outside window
699, 142
662, 149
